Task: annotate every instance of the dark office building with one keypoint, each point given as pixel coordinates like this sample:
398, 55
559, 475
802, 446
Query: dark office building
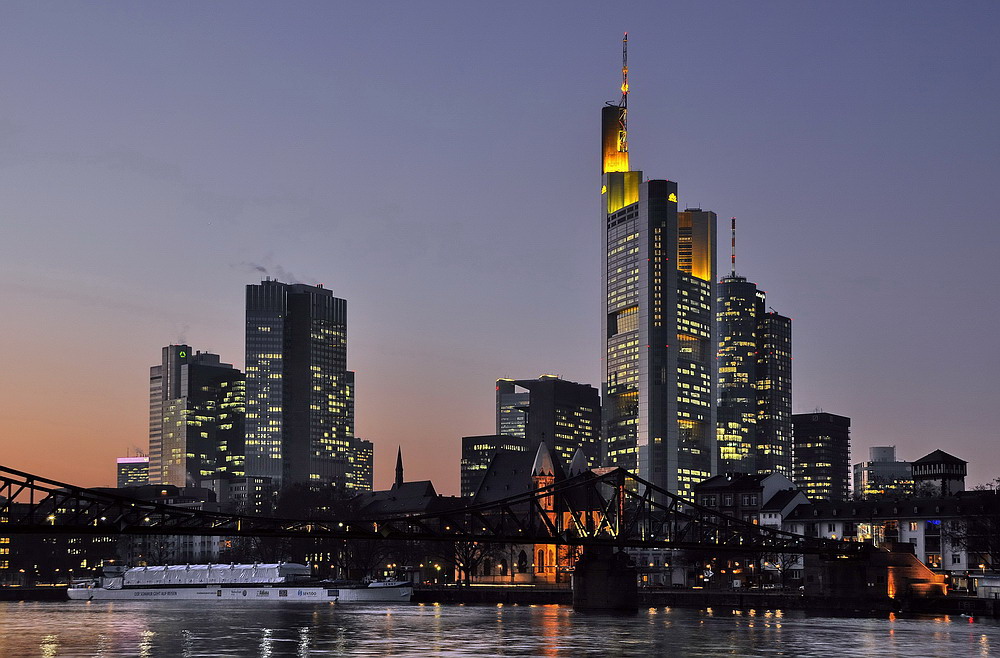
659, 402
821, 455
755, 383
196, 418
478, 452
564, 415
300, 395
132, 471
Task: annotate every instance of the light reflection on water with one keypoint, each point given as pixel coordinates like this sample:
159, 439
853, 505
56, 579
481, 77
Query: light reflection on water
193, 629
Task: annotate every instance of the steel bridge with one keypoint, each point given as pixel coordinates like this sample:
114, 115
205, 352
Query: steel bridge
599, 507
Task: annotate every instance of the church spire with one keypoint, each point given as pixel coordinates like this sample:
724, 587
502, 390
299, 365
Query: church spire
399, 467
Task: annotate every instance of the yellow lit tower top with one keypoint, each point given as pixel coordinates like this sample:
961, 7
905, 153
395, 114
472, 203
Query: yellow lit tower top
615, 124
621, 184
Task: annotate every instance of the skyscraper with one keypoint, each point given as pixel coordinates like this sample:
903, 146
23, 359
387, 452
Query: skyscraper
755, 384
196, 418
821, 455
164, 384
659, 274
565, 415
300, 395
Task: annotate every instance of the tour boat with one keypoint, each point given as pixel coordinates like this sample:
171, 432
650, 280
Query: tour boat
284, 581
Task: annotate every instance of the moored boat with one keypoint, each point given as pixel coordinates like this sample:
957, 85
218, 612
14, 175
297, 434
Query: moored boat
283, 581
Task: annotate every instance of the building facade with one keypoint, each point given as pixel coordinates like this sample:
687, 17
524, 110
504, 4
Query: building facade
564, 415
882, 476
361, 465
755, 382
940, 474
300, 395
821, 455
478, 452
196, 418
132, 471
659, 411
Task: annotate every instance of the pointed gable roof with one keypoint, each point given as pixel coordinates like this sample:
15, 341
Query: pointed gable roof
579, 463
543, 461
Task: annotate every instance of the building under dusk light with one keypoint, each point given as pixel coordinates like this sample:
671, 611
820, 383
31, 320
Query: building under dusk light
755, 382
564, 415
882, 475
659, 326
300, 394
821, 455
196, 406
132, 471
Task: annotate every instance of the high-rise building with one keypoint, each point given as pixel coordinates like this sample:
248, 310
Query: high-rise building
196, 406
300, 395
478, 452
564, 415
360, 467
132, 471
512, 406
821, 455
659, 324
164, 384
882, 475
196, 418
755, 383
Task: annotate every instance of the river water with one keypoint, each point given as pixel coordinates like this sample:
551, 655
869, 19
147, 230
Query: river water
172, 629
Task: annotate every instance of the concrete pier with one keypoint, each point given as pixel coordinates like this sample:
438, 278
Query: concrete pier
605, 580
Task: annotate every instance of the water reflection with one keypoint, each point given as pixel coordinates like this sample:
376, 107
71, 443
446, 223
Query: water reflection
207, 629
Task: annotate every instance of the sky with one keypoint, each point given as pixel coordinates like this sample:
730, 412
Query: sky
437, 165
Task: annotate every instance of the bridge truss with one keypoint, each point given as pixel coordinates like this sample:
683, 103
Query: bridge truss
599, 507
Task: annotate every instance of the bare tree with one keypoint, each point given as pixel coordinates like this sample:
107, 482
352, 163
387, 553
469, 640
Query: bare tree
978, 531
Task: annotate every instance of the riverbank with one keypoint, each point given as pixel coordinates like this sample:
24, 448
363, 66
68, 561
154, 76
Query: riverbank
702, 599
55, 593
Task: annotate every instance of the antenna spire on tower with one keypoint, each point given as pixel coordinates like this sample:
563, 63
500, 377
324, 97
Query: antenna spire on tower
623, 103
733, 220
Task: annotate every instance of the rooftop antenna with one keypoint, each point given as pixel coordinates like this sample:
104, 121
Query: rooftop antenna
623, 103
733, 221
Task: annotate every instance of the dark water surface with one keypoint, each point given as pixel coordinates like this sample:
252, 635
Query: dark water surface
137, 628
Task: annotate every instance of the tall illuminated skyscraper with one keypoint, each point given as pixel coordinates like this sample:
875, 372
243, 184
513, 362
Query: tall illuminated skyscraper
755, 382
300, 395
659, 325
196, 406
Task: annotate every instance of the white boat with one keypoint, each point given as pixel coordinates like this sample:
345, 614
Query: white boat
284, 581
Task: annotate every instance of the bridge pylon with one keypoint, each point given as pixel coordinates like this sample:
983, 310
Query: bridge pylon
604, 580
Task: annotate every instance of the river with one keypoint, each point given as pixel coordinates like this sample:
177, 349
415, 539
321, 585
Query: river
175, 629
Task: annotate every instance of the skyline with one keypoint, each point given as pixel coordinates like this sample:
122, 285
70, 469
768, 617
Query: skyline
441, 180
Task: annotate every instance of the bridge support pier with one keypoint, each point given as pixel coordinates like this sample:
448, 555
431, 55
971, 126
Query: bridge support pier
605, 580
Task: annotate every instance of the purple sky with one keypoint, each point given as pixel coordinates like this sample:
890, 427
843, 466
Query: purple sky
437, 164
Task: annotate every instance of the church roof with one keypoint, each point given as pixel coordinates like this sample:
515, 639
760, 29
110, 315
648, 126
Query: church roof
543, 461
578, 464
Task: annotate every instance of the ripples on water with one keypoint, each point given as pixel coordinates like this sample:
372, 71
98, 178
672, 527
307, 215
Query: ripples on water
208, 629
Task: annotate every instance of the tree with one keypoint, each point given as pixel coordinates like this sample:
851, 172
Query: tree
466, 557
781, 563
977, 532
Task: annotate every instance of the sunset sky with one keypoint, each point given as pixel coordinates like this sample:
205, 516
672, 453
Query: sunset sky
437, 165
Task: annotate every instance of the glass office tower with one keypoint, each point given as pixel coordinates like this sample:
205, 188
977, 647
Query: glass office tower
659, 325
300, 395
